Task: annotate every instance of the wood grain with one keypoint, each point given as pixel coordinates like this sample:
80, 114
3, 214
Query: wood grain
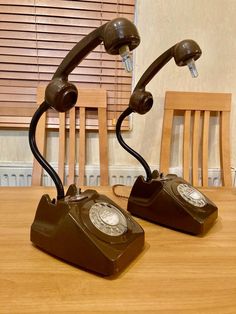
205, 145
166, 141
176, 273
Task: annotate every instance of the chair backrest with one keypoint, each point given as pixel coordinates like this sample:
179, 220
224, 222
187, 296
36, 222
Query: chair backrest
87, 99
197, 108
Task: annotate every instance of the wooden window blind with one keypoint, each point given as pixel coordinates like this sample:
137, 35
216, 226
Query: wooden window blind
35, 36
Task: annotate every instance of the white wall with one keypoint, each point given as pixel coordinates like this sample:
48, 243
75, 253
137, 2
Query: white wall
162, 23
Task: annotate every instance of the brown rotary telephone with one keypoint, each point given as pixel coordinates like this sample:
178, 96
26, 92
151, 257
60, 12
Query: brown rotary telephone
85, 228
167, 200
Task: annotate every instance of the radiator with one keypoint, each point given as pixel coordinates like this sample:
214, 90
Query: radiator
19, 174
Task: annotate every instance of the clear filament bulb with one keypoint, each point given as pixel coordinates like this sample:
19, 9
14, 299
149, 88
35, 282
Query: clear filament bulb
192, 68
126, 58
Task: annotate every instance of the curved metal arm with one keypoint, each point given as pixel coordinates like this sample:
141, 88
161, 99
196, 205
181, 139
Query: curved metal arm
121, 118
32, 142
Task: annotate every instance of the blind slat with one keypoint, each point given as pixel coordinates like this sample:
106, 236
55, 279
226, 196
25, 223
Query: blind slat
30, 90
51, 70
37, 14
56, 61
28, 83
104, 6
73, 77
52, 53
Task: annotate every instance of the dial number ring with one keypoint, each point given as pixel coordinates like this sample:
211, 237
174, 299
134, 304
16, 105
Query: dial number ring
191, 195
108, 219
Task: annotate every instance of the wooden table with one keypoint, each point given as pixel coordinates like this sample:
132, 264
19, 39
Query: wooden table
176, 272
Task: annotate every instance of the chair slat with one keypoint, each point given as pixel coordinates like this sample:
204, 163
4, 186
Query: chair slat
62, 145
186, 145
225, 148
205, 141
196, 124
71, 173
82, 144
198, 101
102, 120
166, 140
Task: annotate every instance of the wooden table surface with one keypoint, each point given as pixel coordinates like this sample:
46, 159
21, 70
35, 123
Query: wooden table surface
175, 273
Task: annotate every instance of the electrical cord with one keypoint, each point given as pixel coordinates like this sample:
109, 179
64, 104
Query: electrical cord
32, 142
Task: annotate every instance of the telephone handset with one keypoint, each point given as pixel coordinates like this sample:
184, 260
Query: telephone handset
85, 228
166, 200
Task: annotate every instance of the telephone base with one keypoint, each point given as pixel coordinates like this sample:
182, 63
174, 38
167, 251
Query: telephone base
65, 230
161, 201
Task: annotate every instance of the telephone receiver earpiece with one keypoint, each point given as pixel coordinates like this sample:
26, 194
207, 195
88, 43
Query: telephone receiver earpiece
141, 101
61, 95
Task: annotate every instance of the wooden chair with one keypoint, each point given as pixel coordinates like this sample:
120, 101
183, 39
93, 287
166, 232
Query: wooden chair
87, 99
197, 108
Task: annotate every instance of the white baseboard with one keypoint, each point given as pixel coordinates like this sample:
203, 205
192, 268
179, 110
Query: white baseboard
19, 174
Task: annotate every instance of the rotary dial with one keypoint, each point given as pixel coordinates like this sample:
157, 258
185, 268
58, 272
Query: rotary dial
108, 219
191, 195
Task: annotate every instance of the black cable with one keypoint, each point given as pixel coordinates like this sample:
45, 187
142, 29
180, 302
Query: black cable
32, 142
121, 118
